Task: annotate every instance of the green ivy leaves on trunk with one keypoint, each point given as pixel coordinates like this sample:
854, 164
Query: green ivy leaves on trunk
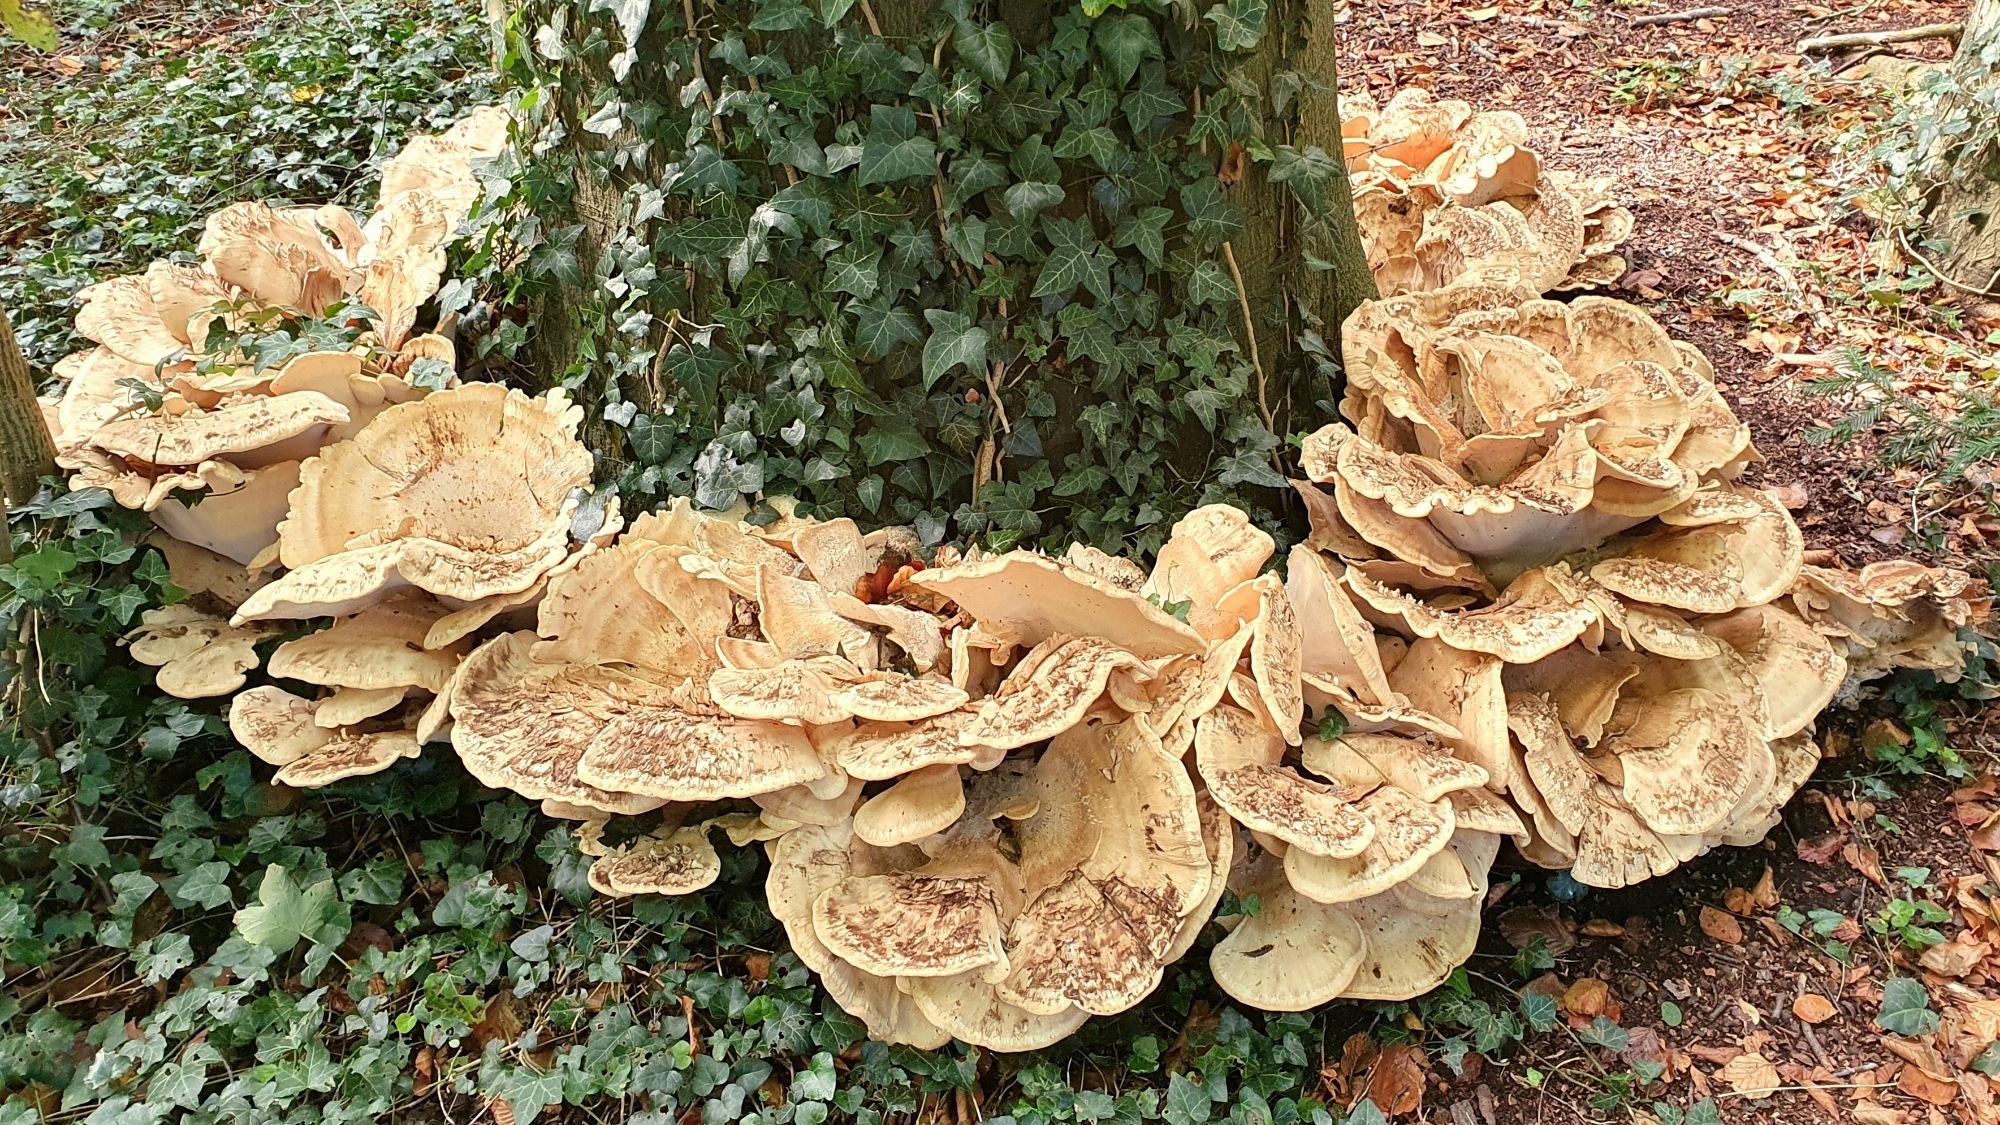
969, 267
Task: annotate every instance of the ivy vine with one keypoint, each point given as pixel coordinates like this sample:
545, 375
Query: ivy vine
986, 270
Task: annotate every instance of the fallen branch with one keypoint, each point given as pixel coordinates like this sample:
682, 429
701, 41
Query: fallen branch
1820, 44
1658, 18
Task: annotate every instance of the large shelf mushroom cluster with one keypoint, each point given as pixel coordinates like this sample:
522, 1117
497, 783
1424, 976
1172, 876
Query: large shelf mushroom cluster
1446, 195
999, 794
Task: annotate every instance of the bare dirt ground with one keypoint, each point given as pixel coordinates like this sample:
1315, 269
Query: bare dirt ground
1724, 143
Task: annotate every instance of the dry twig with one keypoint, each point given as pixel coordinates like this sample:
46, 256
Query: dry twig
1657, 18
1820, 44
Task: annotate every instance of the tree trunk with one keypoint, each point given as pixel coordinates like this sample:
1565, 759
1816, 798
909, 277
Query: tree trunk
1096, 382
26, 452
1964, 213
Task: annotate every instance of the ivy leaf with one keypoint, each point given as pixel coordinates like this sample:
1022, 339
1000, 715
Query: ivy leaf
1187, 1103
1125, 41
1539, 1010
1097, 142
1146, 232
831, 11
880, 327
1906, 1008
1075, 258
1239, 24
855, 270
893, 150
284, 912
1149, 103
1210, 284
1603, 1032
1032, 197
989, 50
892, 439
954, 342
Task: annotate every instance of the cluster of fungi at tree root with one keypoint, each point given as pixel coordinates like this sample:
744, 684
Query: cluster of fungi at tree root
1000, 793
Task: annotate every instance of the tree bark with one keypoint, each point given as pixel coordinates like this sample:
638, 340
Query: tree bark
26, 451
1964, 213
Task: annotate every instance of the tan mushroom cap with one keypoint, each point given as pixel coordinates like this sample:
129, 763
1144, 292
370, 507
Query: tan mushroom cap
1242, 764
276, 725
1218, 834
1688, 760
380, 648
1113, 861
661, 749
523, 726
1467, 690
600, 612
1337, 643
921, 803
1025, 598
198, 654
913, 926
895, 698
97, 390
1539, 613
1414, 943
1210, 552
795, 691
349, 754
679, 862
876, 751
1294, 953
1276, 654
252, 431
807, 861
346, 707
966, 1008
203, 573
796, 615
1799, 671
1048, 693
834, 553
1408, 831
238, 515
1114, 570
478, 467
278, 258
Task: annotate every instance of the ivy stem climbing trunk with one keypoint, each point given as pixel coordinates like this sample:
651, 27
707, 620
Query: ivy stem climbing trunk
26, 451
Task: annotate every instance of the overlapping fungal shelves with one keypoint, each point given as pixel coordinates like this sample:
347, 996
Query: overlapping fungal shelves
1000, 793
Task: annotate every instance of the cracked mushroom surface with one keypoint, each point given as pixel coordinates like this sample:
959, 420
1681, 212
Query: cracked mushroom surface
1448, 195
467, 494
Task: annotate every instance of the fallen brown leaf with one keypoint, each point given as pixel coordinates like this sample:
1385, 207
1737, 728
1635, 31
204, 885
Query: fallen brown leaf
1396, 1084
1820, 849
1814, 1008
1720, 926
1874, 1113
1957, 957
1918, 1083
1751, 1075
1586, 997
1865, 859
1765, 893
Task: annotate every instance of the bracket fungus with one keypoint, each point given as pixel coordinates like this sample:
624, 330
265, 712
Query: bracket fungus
1001, 793
1448, 195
